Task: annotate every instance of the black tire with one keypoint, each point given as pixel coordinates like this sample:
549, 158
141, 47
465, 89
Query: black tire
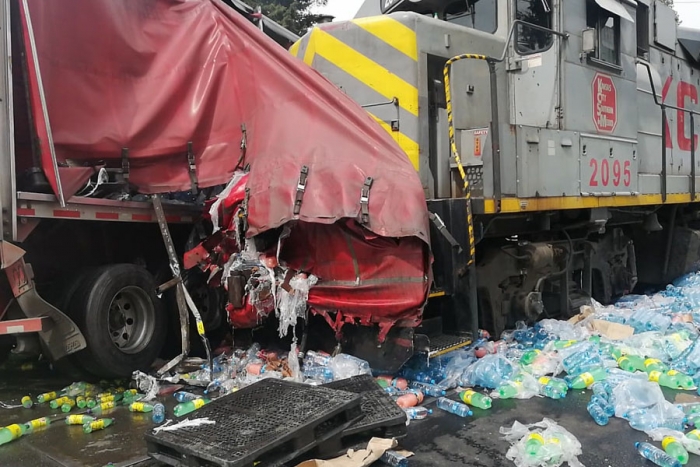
122, 320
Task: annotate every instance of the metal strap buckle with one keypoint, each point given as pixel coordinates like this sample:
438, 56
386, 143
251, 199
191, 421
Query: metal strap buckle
301, 188
193, 169
364, 200
125, 164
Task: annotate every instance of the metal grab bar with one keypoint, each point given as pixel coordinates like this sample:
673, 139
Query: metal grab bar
664, 136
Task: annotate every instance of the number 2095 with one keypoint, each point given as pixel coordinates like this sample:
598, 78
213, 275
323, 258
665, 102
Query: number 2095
605, 173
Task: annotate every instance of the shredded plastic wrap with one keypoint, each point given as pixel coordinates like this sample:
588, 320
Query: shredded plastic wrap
543, 444
490, 372
292, 305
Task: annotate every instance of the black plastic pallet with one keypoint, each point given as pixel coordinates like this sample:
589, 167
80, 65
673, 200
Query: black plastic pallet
382, 417
268, 423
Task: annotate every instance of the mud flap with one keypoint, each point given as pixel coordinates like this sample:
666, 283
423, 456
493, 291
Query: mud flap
63, 337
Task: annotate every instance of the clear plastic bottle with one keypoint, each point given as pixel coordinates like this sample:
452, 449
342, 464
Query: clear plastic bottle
598, 414
674, 448
529, 357
394, 459
417, 413
141, 407
654, 364
587, 379
190, 406
37, 424
428, 389
604, 404
12, 432
158, 416
631, 363
664, 379
79, 419
454, 407
602, 388
476, 399
656, 455
534, 444
684, 381
319, 373
184, 396
554, 388
97, 425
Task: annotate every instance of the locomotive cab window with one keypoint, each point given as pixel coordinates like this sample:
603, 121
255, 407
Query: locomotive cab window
475, 14
602, 18
530, 40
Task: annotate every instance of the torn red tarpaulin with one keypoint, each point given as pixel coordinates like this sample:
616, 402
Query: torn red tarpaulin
153, 76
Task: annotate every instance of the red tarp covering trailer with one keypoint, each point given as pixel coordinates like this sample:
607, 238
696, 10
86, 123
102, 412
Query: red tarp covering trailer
153, 76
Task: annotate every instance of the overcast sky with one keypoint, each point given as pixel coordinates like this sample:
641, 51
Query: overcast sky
689, 10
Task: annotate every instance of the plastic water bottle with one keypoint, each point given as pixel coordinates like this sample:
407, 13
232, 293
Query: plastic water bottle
694, 434
664, 379
57, 403
158, 416
141, 407
46, 397
412, 398
190, 406
27, 402
476, 399
510, 390
675, 449
534, 444
598, 414
37, 424
97, 425
454, 407
68, 405
587, 379
602, 388
656, 455
417, 413
387, 380
79, 419
394, 459
631, 363
103, 407
654, 364
604, 404
319, 373
415, 375
11, 433
529, 357
428, 389
684, 381
554, 388
646, 423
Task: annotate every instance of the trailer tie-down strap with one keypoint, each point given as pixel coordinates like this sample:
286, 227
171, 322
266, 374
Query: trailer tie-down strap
301, 188
192, 169
364, 201
125, 164
442, 228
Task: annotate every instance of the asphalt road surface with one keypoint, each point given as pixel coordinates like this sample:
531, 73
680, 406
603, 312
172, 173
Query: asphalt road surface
442, 439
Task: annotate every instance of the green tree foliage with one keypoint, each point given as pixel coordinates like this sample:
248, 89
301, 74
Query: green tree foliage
294, 15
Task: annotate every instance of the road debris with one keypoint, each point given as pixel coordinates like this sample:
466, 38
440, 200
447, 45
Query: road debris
545, 444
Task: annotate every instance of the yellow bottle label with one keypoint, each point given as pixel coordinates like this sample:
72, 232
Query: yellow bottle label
133, 392
668, 440
654, 376
49, 396
69, 402
467, 396
60, 401
587, 378
544, 380
107, 398
537, 437
137, 406
107, 405
622, 359
16, 430
672, 373
76, 419
198, 403
200, 328
38, 423
26, 399
651, 361
97, 424
694, 434
554, 440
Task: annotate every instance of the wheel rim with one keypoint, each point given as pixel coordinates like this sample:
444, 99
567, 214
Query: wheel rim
131, 320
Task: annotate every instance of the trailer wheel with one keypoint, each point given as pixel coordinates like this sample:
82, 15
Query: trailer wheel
122, 320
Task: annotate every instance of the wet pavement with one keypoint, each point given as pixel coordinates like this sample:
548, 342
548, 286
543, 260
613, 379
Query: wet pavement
442, 439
